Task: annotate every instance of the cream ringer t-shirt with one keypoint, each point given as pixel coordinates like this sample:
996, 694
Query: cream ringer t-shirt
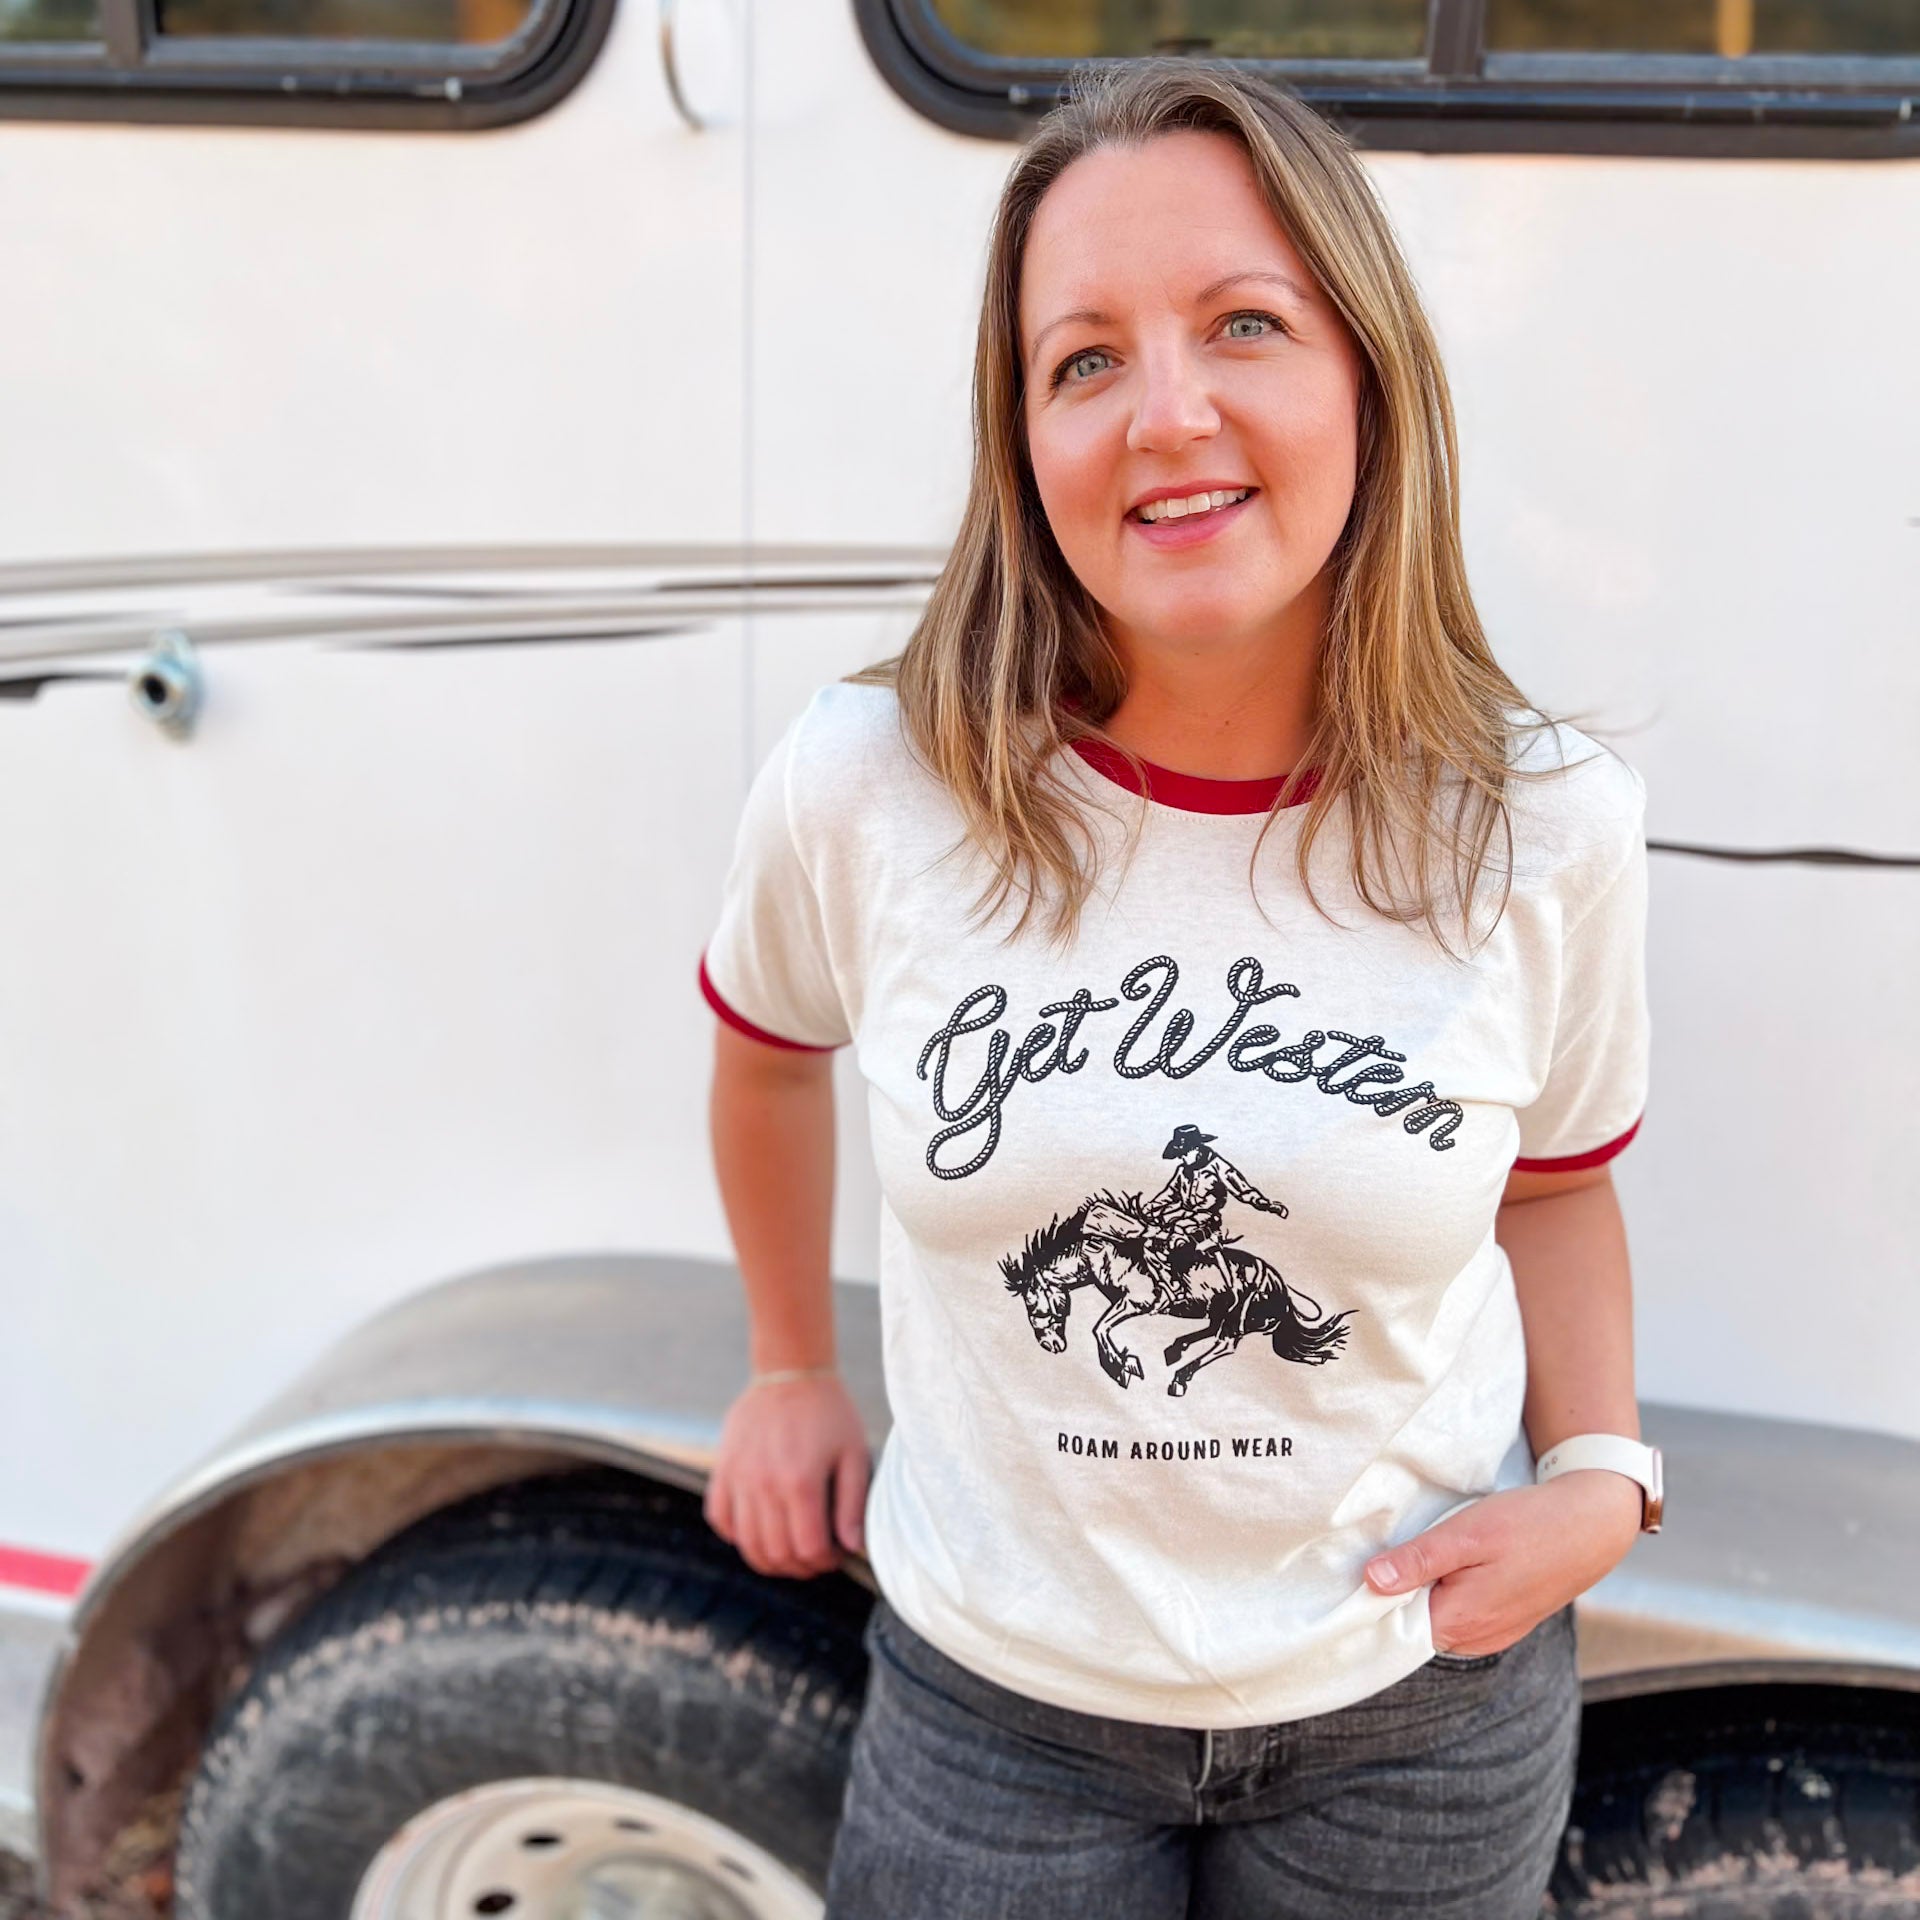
1189, 1293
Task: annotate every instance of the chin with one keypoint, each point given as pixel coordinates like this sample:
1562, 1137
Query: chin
1193, 620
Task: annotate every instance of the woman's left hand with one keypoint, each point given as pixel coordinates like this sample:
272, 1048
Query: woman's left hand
1504, 1564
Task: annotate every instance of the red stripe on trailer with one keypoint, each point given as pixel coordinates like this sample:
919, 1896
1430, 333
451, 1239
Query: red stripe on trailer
42, 1572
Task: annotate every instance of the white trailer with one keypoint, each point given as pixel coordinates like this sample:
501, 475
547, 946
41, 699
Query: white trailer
444, 442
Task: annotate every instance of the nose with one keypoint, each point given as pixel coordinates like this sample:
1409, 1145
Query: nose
1174, 405
1053, 1342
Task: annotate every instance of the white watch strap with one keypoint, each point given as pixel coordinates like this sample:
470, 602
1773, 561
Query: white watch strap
1616, 1453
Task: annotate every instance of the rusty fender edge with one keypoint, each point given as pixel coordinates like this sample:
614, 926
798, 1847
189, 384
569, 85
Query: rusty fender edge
1792, 1551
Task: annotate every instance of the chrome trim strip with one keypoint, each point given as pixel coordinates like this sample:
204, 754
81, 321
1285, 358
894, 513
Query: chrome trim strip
396, 600
562, 620
327, 563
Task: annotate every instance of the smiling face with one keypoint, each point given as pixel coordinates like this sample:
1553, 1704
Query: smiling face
1158, 360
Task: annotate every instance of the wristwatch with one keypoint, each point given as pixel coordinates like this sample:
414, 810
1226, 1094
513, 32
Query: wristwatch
1617, 1454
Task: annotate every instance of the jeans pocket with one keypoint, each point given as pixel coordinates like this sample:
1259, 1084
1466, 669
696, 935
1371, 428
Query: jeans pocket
1556, 1630
1468, 1662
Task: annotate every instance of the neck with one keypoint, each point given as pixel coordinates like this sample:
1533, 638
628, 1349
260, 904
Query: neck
1222, 710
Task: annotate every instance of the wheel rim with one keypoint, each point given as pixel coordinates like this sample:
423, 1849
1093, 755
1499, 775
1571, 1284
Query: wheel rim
551, 1849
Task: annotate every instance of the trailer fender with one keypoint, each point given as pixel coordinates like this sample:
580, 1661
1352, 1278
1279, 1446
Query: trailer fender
611, 1359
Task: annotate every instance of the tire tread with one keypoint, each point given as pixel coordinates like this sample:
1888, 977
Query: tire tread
583, 1586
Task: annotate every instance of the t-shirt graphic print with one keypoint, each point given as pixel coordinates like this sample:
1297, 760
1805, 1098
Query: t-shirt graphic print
1189, 1293
1170, 1254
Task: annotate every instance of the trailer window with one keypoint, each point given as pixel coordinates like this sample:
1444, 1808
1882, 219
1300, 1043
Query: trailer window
440, 64
1240, 29
1811, 78
1727, 29
452, 22
49, 20
1398, 29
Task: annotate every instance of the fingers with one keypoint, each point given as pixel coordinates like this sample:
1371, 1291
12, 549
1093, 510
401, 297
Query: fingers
1469, 1613
718, 1505
754, 1540
763, 1535
850, 1499
789, 1474
1414, 1563
782, 1529
804, 1509
803, 1487
750, 1522
1464, 1540
1398, 1571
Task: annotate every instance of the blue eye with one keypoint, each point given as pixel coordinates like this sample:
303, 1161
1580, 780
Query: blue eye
1073, 360
1254, 313
1061, 372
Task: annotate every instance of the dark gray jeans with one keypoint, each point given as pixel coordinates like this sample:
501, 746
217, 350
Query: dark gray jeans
1442, 1796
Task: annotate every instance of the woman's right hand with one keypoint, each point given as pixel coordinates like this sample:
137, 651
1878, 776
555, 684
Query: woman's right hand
791, 1476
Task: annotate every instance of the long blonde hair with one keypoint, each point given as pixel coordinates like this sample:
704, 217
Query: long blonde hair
1009, 662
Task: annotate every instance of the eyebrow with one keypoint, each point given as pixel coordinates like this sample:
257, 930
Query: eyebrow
1094, 317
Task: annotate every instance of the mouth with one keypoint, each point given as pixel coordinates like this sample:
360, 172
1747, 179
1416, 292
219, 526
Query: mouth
1193, 525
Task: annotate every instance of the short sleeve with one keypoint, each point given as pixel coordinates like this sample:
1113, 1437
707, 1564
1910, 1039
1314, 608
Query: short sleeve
1595, 1090
767, 970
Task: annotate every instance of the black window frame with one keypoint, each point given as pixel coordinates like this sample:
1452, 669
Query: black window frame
134, 72
1464, 99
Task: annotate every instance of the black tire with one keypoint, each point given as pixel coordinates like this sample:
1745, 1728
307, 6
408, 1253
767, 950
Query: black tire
583, 1625
1795, 1807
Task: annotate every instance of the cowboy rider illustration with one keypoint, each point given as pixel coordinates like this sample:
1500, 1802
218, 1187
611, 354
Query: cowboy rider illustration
1190, 1210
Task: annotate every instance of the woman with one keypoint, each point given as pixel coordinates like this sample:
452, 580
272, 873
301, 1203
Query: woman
1215, 1577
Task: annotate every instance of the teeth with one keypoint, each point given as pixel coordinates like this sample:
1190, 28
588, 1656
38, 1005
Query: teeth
1194, 503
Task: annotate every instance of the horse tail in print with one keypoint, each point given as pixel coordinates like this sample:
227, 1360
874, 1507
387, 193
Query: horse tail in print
1309, 1341
1270, 1306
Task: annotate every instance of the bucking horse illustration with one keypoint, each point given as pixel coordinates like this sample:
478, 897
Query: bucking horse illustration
1169, 1255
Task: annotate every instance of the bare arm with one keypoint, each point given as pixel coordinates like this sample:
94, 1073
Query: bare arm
791, 1469
1567, 1245
771, 1123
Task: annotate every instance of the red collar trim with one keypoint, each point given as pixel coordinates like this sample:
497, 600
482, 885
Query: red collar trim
1194, 792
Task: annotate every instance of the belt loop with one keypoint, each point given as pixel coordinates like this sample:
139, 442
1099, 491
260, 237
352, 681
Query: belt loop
1206, 1763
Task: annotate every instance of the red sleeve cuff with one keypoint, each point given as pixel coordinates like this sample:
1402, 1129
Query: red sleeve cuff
1573, 1162
741, 1024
